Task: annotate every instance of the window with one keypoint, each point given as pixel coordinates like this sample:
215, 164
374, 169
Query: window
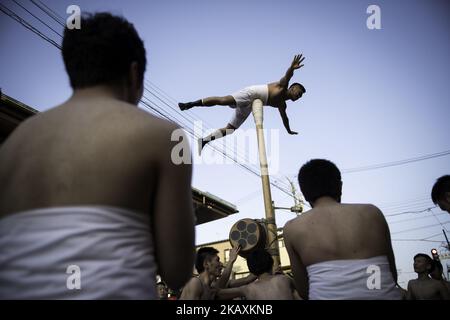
226, 255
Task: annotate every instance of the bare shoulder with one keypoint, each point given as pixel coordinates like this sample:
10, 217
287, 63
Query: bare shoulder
192, 289
282, 278
193, 282
365, 208
274, 85
296, 225
192, 286
147, 119
156, 131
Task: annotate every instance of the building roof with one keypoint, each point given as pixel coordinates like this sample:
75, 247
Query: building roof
12, 113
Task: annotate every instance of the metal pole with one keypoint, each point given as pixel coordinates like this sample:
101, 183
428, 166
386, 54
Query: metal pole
445, 235
257, 110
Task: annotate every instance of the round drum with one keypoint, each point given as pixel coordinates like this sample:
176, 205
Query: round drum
249, 234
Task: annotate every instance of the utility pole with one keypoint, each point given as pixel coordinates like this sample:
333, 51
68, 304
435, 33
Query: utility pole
445, 235
298, 204
257, 110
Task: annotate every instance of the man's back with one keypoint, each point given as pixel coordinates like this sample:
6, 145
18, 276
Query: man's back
271, 287
336, 248
100, 151
339, 231
427, 289
91, 184
109, 157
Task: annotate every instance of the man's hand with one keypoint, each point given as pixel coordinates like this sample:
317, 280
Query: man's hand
296, 63
293, 132
234, 253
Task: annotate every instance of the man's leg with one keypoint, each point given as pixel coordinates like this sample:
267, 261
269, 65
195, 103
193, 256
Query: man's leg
220, 133
207, 102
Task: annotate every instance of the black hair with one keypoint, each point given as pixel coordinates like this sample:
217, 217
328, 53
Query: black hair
298, 84
318, 178
102, 50
440, 187
427, 258
204, 254
438, 265
259, 262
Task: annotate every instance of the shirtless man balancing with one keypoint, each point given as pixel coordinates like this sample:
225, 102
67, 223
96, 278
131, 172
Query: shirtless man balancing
274, 94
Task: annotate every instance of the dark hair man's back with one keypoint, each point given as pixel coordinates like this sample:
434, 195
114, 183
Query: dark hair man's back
346, 238
99, 153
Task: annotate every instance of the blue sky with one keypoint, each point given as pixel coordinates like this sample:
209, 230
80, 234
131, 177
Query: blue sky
373, 96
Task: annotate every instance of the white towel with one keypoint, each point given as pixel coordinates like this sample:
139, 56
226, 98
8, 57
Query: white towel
360, 279
112, 247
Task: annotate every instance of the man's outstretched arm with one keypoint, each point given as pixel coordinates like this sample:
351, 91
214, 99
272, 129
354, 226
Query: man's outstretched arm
296, 64
225, 277
285, 118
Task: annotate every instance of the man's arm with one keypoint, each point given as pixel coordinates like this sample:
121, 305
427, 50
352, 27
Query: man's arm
173, 225
223, 280
389, 250
192, 290
298, 268
409, 292
294, 291
284, 117
242, 281
296, 64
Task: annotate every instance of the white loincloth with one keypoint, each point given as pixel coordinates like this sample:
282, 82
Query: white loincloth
244, 99
112, 247
352, 280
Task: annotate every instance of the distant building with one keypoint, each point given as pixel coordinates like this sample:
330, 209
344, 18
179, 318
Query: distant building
207, 206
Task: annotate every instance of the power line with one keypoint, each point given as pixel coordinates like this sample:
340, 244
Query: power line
408, 212
433, 236
397, 163
37, 18
27, 25
443, 227
418, 228
413, 219
405, 204
408, 209
52, 14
